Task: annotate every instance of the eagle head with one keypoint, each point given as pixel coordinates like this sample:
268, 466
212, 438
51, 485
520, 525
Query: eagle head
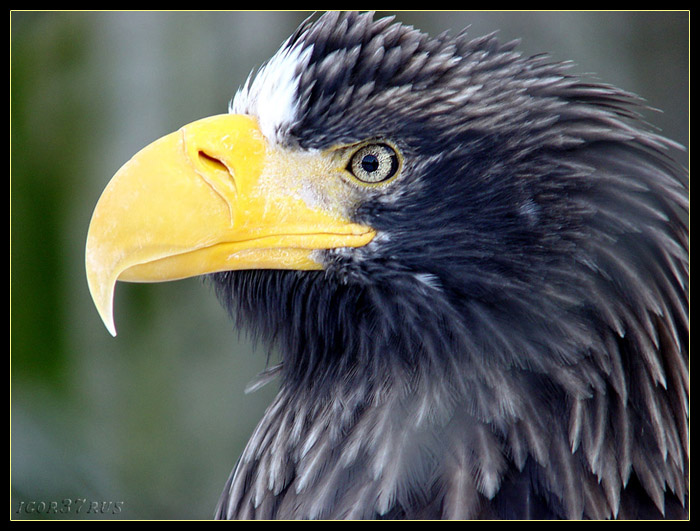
473, 263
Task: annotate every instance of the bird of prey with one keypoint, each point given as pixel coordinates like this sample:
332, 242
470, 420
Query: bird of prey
473, 263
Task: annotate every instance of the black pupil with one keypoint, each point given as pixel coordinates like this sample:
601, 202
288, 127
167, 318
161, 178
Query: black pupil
370, 163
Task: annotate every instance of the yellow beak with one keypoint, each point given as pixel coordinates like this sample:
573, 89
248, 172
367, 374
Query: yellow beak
213, 196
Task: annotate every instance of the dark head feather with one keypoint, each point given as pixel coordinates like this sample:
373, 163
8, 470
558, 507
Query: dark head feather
514, 343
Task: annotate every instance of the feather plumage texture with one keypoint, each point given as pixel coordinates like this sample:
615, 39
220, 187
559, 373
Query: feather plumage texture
514, 343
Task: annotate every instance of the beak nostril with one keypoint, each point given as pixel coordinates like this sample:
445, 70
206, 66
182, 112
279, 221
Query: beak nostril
212, 162
218, 177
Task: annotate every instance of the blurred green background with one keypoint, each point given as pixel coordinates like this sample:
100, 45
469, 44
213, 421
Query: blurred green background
156, 417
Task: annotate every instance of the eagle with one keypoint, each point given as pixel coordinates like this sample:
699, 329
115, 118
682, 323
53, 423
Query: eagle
473, 263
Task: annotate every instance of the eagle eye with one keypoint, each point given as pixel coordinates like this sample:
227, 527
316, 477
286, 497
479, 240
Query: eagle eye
374, 163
